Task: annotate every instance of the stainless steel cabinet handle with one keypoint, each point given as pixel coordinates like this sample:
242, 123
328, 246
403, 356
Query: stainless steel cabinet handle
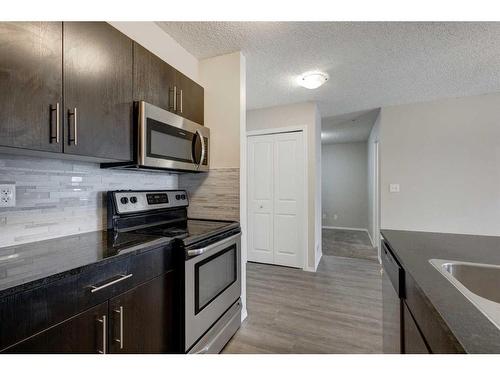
75, 126
94, 288
58, 123
56, 109
181, 102
172, 100
203, 149
120, 340
175, 98
104, 333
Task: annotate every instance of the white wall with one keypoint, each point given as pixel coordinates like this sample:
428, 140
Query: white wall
446, 157
373, 192
223, 78
153, 38
318, 193
303, 114
344, 185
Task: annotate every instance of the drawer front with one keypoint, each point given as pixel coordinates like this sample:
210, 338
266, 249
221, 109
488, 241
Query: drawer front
414, 343
24, 314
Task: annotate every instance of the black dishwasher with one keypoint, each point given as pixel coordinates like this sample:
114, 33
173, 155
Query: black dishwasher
392, 299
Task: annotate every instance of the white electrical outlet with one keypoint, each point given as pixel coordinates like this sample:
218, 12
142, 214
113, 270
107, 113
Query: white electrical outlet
394, 188
324, 216
335, 217
7, 195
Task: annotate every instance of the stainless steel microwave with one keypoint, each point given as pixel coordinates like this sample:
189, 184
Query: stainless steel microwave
166, 141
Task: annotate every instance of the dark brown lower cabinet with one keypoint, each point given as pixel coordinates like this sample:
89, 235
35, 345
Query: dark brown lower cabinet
142, 319
81, 334
414, 343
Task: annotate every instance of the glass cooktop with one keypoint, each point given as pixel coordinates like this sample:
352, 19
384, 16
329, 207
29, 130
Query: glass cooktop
190, 229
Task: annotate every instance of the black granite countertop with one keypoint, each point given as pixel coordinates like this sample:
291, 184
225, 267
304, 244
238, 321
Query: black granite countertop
26, 266
472, 329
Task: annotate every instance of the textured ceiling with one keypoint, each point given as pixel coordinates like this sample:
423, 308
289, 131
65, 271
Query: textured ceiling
351, 127
371, 64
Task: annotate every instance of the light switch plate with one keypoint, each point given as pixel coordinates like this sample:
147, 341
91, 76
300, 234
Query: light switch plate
394, 188
7, 195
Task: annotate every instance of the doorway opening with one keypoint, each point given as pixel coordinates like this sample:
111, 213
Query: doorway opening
349, 155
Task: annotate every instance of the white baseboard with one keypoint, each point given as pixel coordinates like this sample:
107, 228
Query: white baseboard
317, 261
313, 269
244, 315
371, 239
345, 228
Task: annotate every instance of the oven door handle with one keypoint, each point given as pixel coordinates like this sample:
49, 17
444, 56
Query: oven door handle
203, 250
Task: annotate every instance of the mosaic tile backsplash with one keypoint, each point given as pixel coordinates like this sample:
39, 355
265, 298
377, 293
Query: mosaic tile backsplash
58, 197
214, 195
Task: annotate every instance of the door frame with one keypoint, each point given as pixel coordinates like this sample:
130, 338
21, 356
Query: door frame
305, 219
376, 198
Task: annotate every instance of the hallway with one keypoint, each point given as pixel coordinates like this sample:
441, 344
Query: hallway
348, 243
338, 309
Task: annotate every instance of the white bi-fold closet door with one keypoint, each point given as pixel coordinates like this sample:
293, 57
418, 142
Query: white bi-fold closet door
276, 193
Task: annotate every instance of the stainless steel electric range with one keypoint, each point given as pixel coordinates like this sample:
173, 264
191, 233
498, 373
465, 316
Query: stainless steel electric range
211, 261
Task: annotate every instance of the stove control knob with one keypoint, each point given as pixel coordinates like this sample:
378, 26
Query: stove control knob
124, 200
133, 199
183, 196
177, 197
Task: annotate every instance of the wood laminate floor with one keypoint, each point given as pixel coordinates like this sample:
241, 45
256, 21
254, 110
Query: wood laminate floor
348, 243
338, 309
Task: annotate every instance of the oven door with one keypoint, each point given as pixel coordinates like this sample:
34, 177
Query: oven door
212, 285
167, 140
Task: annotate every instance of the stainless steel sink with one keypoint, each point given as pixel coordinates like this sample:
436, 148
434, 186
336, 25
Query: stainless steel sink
480, 283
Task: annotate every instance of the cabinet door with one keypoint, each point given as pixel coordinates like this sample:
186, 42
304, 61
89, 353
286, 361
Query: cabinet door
414, 343
83, 333
190, 99
31, 85
154, 79
98, 91
392, 336
142, 319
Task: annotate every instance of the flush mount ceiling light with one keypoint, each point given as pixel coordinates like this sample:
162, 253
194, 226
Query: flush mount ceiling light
312, 80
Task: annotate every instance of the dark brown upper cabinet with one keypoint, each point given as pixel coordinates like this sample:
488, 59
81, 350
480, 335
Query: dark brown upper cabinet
158, 83
154, 79
69, 88
190, 97
31, 85
98, 106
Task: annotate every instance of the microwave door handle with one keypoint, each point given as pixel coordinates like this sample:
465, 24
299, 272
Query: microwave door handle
193, 150
203, 148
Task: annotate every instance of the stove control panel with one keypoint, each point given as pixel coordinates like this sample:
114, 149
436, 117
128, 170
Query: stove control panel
130, 201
